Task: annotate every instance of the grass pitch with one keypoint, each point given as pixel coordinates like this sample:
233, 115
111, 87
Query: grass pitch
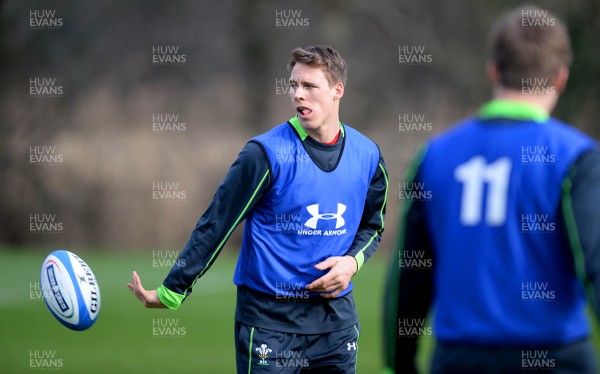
197, 338
126, 338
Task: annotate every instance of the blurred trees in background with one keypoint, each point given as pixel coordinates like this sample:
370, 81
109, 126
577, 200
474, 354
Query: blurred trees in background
228, 87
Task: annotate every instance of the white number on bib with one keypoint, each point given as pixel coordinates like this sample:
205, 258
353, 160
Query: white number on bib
473, 174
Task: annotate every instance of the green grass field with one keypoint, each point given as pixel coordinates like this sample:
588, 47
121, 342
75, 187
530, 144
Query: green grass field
123, 339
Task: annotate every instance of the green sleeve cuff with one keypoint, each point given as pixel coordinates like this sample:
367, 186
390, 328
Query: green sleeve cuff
170, 299
360, 260
387, 371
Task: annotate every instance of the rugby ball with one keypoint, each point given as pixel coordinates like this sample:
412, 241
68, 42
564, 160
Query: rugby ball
70, 290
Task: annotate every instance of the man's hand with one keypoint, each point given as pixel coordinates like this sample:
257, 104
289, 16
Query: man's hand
341, 270
148, 297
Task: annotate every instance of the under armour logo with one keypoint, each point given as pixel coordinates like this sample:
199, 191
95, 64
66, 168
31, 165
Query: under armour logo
351, 346
316, 216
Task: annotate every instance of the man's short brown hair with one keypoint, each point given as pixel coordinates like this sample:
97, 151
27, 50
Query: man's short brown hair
527, 43
324, 56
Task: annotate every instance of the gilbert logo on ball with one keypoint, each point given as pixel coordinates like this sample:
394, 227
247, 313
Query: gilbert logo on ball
70, 290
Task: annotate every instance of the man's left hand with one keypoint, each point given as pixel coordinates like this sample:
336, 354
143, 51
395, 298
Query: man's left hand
337, 279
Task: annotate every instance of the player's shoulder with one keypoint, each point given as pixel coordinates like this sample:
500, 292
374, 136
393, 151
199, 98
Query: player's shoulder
461, 128
362, 138
565, 130
455, 137
276, 131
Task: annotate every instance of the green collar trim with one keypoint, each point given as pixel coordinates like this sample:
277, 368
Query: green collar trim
300, 130
511, 109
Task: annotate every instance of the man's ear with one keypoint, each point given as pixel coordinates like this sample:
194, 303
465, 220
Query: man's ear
561, 78
493, 74
339, 90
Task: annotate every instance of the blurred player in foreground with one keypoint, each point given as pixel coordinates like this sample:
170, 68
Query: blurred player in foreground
313, 192
500, 236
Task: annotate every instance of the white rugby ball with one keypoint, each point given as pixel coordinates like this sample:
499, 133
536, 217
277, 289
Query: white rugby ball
70, 290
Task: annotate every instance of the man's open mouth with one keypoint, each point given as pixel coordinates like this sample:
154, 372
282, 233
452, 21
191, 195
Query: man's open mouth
304, 111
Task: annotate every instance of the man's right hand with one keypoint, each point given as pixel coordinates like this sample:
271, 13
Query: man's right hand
148, 297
